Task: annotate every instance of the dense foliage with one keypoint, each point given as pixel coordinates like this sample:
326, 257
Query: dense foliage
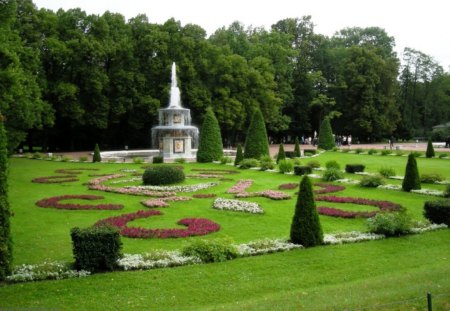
239, 155
281, 154
210, 147
412, 179
326, 139
390, 223
353, 168
211, 251
430, 150
438, 212
256, 141
297, 152
163, 175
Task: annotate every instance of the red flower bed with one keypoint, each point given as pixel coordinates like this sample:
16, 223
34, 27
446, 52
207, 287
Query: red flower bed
328, 188
55, 203
195, 226
55, 179
74, 171
204, 195
335, 212
288, 186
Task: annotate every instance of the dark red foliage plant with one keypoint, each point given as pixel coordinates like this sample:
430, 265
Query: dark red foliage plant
54, 202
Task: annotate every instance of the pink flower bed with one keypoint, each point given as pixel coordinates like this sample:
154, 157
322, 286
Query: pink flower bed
335, 212
162, 202
239, 191
55, 203
328, 188
288, 186
195, 226
240, 186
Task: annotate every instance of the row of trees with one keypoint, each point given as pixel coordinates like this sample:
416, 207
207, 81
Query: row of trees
68, 79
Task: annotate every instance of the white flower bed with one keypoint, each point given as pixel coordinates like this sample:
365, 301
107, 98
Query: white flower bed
390, 187
156, 259
428, 227
126, 180
347, 181
46, 271
187, 188
396, 177
350, 237
437, 193
365, 173
314, 176
265, 246
237, 206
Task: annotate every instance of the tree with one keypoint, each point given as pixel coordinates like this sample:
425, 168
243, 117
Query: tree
210, 147
430, 150
256, 142
97, 157
412, 179
239, 155
297, 152
281, 154
5, 231
326, 139
305, 228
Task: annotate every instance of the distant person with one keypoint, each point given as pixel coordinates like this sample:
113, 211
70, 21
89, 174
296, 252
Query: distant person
391, 142
447, 142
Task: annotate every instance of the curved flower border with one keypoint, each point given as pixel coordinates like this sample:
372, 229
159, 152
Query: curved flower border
162, 202
237, 206
54, 202
68, 177
195, 226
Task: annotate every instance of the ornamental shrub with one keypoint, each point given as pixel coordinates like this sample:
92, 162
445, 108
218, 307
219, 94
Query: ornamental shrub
305, 228
96, 157
210, 147
281, 155
302, 170
353, 168
447, 192
437, 212
266, 163
372, 181
443, 155
326, 139
372, 151
158, 159
163, 175
179, 160
332, 164
211, 250
285, 166
385, 152
411, 180
310, 151
358, 150
239, 155
225, 160
430, 150
386, 171
96, 248
390, 223
256, 142
138, 160
431, 178
5, 230
248, 163
313, 164
297, 152
332, 174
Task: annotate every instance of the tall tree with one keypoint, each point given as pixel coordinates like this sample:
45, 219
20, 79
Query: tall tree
326, 139
256, 142
210, 147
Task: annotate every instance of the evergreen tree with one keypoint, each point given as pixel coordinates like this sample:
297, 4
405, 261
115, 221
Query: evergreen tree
412, 179
326, 139
239, 155
97, 157
306, 229
297, 152
210, 147
256, 142
430, 149
281, 154
5, 231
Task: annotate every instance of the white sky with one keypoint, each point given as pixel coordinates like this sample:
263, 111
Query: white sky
422, 25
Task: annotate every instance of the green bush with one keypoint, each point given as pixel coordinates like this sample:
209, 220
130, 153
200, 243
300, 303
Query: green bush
210, 147
310, 151
158, 159
112, 160
326, 139
358, 150
447, 192
390, 223
313, 164
297, 152
431, 178
266, 163
66, 159
163, 175
138, 160
305, 228
385, 152
37, 156
96, 248
332, 174
302, 170
416, 154
372, 151
239, 155
211, 250
386, 171
332, 164
443, 155
249, 163
353, 168
81, 159
345, 150
281, 155
96, 157
437, 212
372, 181
225, 160
430, 150
296, 161
285, 166
399, 153
256, 142
411, 180
180, 160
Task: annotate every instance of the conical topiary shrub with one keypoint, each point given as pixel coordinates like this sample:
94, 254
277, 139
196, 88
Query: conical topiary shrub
210, 147
412, 178
96, 157
281, 154
430, 149
256, 142
239, 155
297, 152
326, 139
306, 229
5, 229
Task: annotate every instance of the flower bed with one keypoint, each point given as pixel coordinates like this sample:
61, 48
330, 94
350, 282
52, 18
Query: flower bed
55, 203
288, 186
206, 171
239, 191
265, 246
204, 195
162, 202
155, 259
240, 186
46, 271
350, 237
195, 226
237, 206
328, 188
187, 188
74, 171
54, 179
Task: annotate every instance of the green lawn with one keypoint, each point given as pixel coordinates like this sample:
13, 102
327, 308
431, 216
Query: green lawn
327, 277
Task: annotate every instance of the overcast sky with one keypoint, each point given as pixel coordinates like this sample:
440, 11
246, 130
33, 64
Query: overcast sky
422, 25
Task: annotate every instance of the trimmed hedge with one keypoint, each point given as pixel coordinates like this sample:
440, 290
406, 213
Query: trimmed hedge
96, 248
353, 168
158, 159
211, 250
430, 150
302, 170
163, 175
210, 147
281, 154
437, 212
239, 155
297, 152
96, 157
326, 139
256, 142
412, 178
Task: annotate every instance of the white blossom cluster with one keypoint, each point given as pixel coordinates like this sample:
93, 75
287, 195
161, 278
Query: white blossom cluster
396, 177
390, 187
314, 176
134, 179
428, 227
437, 193
347, 181
265, 246
350, 237
187, 188
45, 271
156, 259
237, 206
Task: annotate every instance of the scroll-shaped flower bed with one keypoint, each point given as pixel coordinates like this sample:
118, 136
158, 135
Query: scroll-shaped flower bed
239, 191
54, 202
195, 226
335, 212
162, 202
237, 206
69, 176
